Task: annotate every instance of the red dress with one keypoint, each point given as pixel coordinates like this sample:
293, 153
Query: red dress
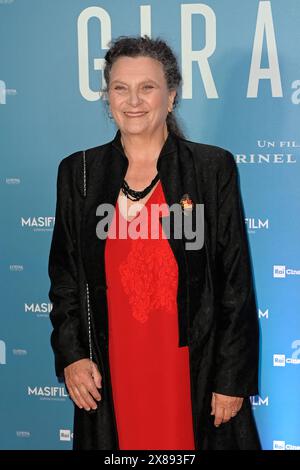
149, 372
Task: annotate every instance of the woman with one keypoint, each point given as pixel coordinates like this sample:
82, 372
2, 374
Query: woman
157, 343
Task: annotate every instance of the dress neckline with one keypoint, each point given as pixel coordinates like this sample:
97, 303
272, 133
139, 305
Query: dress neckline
144, 205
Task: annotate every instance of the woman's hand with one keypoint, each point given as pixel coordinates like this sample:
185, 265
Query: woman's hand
82, 379
224, 407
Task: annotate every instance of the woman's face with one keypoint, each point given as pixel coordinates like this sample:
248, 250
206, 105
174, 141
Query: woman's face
138, 95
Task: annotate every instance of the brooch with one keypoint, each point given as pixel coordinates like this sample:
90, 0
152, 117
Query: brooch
186, 203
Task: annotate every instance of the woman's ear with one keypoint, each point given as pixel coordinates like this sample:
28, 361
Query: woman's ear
172, 96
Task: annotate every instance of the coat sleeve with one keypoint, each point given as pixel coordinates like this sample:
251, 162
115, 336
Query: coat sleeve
237, 335
64, 290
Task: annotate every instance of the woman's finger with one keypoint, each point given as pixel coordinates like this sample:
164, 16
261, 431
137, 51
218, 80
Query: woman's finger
86, 397
92, 389
96, 376
227, 415
81, 398
213, 401
73, 396
219, 415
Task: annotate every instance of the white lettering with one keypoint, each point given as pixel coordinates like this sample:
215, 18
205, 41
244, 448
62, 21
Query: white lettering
265, 158
200, 56
295, 272
290, 360
47, 391
2, 352
296, 94
83, 49
264, 143
296, 345
264, 314
38, 308
259, 401
264, 26
145, 12
257, 224
37, 221
292, 144
2, 92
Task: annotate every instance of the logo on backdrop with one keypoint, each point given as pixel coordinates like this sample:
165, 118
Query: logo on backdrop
281, 271
281, 360
19, 352
270, 152
16, 267
12, 180
281, 445
256, 224
263, 313
259, 401
4, 92
41, 310
38, 224
48, 392
2, 352
23, 434
65, 435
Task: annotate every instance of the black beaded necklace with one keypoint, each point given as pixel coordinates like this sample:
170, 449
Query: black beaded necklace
137, 195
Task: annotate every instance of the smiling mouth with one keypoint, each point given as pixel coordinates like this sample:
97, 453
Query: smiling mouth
135, 114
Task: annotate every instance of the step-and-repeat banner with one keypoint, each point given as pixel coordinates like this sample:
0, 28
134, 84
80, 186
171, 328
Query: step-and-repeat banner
241, 69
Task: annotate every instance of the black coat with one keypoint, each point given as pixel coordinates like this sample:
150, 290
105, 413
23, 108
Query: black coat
217, 314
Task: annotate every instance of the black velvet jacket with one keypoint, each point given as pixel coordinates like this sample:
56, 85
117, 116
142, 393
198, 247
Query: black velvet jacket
217, 314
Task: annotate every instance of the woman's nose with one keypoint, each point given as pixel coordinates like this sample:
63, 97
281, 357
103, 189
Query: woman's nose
134, 98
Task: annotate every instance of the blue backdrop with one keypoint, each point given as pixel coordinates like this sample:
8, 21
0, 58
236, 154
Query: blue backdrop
240, 64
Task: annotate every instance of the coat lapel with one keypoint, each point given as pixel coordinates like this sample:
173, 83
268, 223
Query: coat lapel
105, 178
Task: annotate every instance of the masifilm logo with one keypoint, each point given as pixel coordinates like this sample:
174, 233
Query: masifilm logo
38, 224
41, 310
48, 393
263, 313
281, 271
255, 224
257, 400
